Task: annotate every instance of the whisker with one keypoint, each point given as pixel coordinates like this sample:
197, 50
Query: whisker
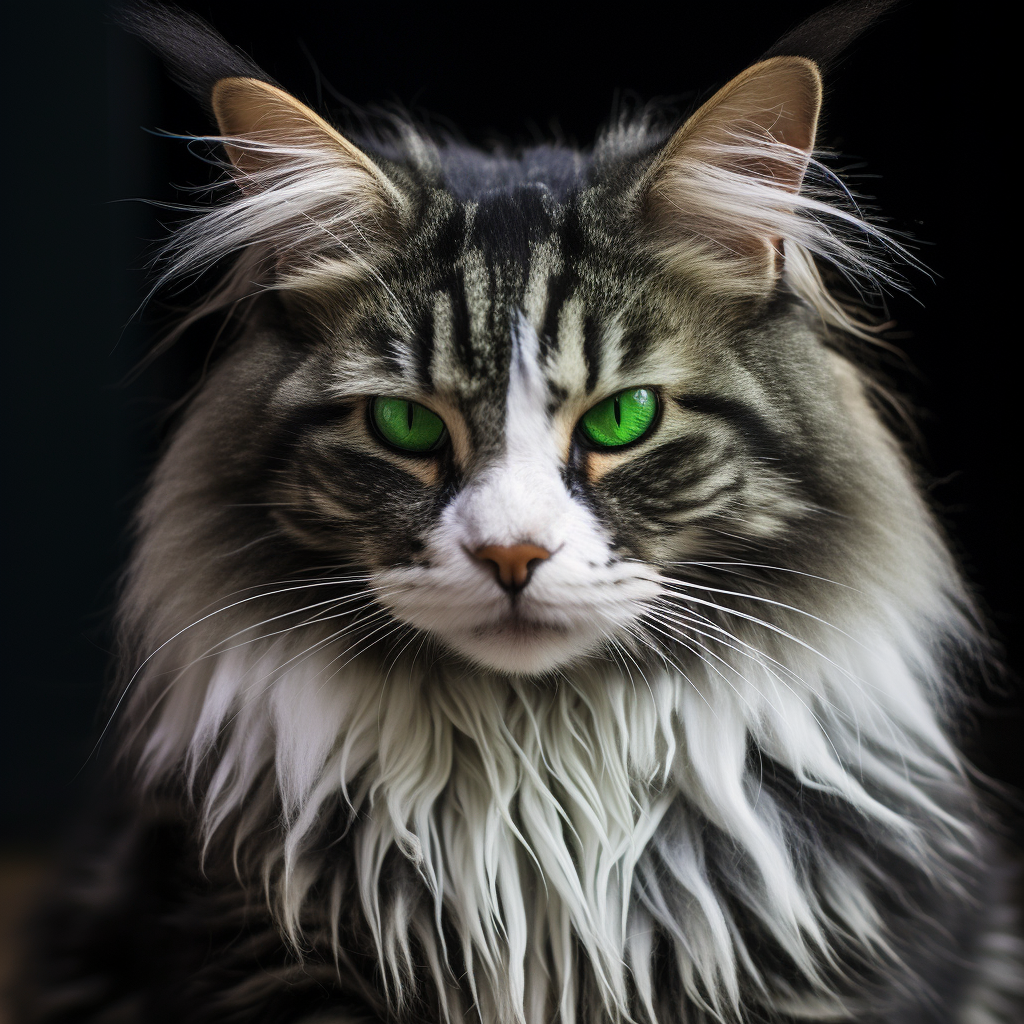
714, 668
151, 710
854, 679
303, 656
196, 622
751, 651
776, 629
727, 566
314, 620
664, 656
777, 680
684, 586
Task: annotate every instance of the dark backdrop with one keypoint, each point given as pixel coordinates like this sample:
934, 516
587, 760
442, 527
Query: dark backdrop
914, 108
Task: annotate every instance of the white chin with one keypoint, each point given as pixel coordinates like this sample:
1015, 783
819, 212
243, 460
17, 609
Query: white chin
522, 648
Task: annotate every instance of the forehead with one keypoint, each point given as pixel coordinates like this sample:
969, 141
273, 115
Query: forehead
478, 274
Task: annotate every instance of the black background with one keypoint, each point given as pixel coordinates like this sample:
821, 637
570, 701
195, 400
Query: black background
916, 108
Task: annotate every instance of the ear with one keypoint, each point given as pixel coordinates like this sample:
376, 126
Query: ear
274, 123
318, 204
725, 186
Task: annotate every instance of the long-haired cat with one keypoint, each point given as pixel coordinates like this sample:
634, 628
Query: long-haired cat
533, 618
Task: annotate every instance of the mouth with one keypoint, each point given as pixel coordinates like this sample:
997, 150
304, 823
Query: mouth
531, 634
518, 626
520, 644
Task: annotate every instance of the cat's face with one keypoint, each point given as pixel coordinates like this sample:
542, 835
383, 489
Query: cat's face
509, 398
526, 413
566, 432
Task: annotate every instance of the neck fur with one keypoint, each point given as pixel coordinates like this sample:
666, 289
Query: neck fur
560, 834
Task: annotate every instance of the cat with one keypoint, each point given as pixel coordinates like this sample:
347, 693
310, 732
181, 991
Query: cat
533, 617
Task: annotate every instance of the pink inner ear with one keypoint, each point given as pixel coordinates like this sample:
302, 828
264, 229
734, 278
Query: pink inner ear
776, 101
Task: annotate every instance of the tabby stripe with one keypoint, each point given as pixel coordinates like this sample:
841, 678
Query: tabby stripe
422, 344
748, 422
634, 346
496, 320
317, 414
675, 464
460, 340
591, 351
561, 287
704, 503
450, 239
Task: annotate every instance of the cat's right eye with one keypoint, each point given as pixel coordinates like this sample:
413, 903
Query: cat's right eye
407, 425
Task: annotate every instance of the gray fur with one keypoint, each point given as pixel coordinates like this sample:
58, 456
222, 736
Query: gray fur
699, 770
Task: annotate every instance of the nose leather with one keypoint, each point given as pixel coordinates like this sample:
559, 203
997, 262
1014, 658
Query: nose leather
514, 562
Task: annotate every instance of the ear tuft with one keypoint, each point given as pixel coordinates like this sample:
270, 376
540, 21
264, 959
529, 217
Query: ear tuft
196, 54
265, 129
728, 177
315, 214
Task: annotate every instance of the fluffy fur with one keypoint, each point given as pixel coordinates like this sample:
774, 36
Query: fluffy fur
698, 769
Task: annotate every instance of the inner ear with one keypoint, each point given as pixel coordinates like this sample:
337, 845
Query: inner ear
321, 209
776, 103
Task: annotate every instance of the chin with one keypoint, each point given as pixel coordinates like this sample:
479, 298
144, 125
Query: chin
519, 647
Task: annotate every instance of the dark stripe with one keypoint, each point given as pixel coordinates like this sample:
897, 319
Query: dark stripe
759, 434
560, 288
460, 323
505, 226
659, 475
450, 239
591, 351
679, 456
557, 395
320, 414
686, 504
570, 230
497, 316
358, 481
634, 346
422, 343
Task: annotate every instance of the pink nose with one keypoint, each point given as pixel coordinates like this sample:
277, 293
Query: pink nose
514, 563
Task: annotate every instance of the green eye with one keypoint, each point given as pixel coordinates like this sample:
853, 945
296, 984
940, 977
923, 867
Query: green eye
623, 418
407, 425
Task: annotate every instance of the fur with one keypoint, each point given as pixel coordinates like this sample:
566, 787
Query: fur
699, 769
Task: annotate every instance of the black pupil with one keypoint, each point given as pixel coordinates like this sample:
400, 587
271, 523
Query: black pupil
408, 408
618, 411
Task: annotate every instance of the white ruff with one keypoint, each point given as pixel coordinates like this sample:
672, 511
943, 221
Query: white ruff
564, 824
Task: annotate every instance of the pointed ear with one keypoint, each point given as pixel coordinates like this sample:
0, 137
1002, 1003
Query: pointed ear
269, 129
724, 187
316, 203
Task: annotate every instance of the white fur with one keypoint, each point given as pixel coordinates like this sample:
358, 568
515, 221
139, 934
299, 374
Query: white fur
535, 815
575, 601
546, 817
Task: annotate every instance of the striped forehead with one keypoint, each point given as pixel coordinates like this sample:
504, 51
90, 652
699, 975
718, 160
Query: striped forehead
518, 254
494, 270
509, 246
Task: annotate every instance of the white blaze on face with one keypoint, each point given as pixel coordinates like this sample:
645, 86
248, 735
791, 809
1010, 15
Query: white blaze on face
522, 498
576, 599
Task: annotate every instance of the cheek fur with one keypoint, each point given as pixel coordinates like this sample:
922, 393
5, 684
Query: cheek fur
348, 500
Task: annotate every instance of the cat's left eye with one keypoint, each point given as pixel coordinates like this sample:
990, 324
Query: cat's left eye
620, 419
407, 425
